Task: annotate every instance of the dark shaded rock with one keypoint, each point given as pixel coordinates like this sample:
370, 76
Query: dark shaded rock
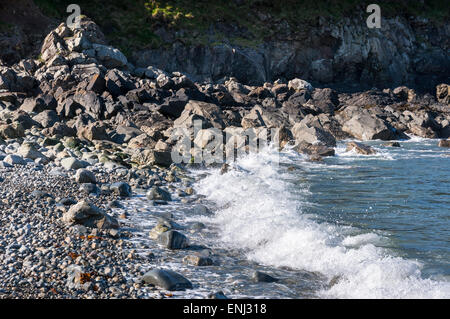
217, 295
46, 118
68, 107
39, 104
97, 84
67, 201
393, 144
360, 148
157, 193
173, 240
121, 188
444, 143
314, 150
89, 188
166, 279
262, 277
150, 157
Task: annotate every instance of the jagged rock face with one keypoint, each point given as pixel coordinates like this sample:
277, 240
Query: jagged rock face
343, 53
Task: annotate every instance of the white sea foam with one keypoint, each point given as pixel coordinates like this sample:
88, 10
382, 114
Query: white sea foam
262, 215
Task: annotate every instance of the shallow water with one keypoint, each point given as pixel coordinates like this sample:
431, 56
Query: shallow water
351, 227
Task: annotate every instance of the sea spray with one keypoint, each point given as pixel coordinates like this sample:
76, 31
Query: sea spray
261, 212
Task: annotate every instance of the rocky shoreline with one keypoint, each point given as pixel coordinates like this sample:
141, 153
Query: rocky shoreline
82, 129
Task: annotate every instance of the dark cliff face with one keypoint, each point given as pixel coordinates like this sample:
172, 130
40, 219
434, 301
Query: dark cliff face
343, 54
337, 52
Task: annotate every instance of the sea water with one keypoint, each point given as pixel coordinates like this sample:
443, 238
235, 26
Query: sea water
353, 226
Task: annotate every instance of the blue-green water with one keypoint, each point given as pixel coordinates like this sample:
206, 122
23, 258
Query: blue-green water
403, 194
373, 226
354, 226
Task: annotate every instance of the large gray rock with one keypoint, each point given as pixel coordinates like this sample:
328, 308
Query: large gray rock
157, 193
109, 56
86, 214
28, 150
13, 130
85, 176
151, 157
73, 163
167, 279
46, 118
367, 127
121, 188
312, 135
14, 160
210, 114
172, 239
299, 84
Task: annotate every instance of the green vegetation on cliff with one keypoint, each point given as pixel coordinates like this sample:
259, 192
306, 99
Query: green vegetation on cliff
131, 24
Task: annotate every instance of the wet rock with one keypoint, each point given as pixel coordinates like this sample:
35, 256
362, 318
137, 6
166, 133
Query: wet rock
444, 143
217, 295
195, 260
224, 169
88, 188
312, 135
166, 279
314, 150
157, 193
393, 144
360, 148
160, 228
121, 188
262, 277
173, 240
86, 214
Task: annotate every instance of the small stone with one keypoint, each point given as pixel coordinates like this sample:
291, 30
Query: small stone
393, 144
217, 295
197, 260
262, 277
